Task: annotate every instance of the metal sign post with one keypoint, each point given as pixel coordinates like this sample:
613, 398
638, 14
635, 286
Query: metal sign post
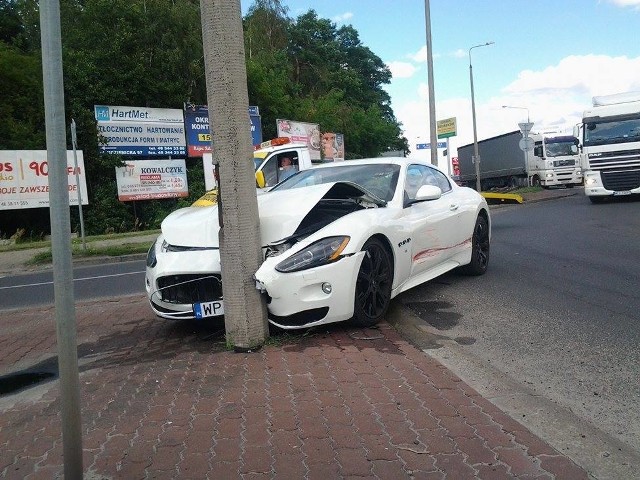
74, 141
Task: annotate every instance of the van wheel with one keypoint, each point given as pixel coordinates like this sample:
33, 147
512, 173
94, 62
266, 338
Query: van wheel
373, 285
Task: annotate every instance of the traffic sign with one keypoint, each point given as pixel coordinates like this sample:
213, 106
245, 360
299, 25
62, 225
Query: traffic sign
525, 128
526, 144
427, 146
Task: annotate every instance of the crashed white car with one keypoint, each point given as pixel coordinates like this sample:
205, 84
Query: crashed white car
339, 241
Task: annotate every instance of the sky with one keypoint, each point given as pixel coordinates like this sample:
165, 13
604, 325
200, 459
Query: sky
548, 59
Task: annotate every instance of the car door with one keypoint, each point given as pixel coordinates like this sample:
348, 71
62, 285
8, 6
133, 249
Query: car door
432, 223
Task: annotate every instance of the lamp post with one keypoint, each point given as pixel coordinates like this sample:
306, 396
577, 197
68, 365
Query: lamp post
476, 154
521, 108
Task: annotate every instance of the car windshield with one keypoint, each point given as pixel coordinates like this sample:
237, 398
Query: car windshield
377, 178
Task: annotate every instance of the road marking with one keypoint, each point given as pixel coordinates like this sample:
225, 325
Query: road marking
75, 280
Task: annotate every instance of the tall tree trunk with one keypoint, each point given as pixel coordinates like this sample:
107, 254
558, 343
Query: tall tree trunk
227, 94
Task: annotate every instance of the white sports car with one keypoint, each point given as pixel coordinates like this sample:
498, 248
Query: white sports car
339, 241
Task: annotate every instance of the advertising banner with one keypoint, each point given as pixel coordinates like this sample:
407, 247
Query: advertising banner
196, 118
141, 132
24, 179
152, 179
308, 133
333, 146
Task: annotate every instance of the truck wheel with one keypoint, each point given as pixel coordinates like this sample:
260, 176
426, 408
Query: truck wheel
535, 181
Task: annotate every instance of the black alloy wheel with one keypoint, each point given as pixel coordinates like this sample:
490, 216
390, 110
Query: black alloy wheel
479, 248
373, 285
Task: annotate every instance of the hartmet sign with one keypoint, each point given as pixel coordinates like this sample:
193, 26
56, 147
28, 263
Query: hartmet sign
141, 132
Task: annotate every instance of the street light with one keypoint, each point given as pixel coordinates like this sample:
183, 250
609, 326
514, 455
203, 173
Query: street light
521, 108
476, 154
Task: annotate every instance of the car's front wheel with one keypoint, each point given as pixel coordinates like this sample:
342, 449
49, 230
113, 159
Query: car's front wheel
373, 285
479, 248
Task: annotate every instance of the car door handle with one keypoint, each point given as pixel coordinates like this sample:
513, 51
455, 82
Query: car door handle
453, 208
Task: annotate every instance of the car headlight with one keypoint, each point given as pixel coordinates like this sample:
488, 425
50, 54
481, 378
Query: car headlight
151, 256
318, 253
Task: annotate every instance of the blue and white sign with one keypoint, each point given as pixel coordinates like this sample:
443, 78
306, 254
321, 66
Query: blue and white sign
427, 146
141, 132
199, 134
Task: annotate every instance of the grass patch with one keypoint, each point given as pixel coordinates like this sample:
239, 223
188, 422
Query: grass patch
46, 257
527, 190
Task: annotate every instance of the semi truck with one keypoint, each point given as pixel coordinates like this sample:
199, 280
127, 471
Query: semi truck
610, 134
551, 160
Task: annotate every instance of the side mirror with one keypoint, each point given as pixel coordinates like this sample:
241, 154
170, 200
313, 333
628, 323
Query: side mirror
428, 192
574, 149
260, 179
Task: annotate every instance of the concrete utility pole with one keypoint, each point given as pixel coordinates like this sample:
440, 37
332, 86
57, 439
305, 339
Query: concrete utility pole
476, 153
240, 251
61, 238
432, 96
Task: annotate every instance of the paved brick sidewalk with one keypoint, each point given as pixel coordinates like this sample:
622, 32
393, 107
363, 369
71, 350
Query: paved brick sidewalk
167, 400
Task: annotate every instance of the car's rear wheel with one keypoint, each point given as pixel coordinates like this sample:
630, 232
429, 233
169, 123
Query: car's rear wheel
479, 248
373, 285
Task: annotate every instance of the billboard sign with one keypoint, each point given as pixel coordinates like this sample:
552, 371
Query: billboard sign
446, 128
24, 179
308, 133
333, 146
196, 118
141, 132
152, 179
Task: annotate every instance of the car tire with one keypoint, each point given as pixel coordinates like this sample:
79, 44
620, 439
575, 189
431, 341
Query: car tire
480, 248
373, 285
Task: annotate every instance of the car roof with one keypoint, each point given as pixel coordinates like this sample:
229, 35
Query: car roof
402, 161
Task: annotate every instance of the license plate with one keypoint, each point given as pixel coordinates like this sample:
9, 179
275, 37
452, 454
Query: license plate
622, 192
208, 309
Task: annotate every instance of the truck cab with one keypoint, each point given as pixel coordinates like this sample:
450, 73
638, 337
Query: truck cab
268, 163
611, 145
555, 161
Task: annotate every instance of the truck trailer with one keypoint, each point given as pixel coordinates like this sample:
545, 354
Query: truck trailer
551, 160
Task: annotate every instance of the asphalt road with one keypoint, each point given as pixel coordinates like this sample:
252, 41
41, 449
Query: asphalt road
89, 282
557, 314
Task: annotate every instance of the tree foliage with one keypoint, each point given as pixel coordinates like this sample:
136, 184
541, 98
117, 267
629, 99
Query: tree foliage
149, 53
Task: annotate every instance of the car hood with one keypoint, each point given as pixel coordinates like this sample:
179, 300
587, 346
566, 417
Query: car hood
281, 214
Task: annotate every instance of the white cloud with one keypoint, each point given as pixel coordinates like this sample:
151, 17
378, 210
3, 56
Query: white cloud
626, 3
401, 69
555, 97
343, 17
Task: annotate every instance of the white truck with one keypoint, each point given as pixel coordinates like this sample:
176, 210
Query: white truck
610, 134
553, 161
267, 162
556, 160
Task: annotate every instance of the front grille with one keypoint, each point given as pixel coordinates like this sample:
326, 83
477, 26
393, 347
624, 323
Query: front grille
188, 289
564, 163
620, 180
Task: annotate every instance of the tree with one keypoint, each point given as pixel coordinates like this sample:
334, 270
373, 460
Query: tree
240, 251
